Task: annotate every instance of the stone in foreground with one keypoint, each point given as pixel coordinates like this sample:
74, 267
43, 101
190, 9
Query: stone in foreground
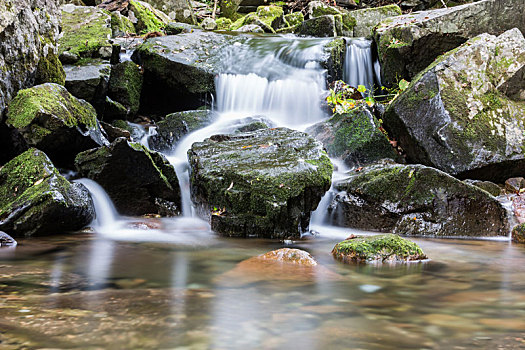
36, 200
290, 256
259, 184
465, 114
137, 180
417, 200
379, 248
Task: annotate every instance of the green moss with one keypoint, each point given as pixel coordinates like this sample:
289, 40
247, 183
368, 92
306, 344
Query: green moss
238, 23
324, 10
122, 124
349, 22
381, 248
121, 24
272, 16
223, 23
125, 85
50, 70
294, 18
147, 21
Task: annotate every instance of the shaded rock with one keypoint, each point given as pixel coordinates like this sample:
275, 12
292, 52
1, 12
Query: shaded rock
209, 24
416, 200
11, 143
114, 110
50, 118
89, 81
334, 63
488, 186
85, 32
176, 125
514, 184
148, 18
518, 207
174, 28
409, 43
323, 26
121, 25
355, 137
28, 33
250, 28
259, 184
114, 132
125, 85
35, 199
456, 116
177, 10
366, 19
137, 180
6, 240
518, 234
380, 248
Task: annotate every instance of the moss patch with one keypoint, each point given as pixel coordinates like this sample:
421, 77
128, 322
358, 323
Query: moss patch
147, 21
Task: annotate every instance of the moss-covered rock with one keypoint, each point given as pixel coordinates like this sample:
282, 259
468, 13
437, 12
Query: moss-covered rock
380, 248
149, 19
259, 184
137, 180
488, 186
35, 199
322, 26
319, 8
50, 118
88, 80
416, 200
229, 9
518, 233
174, 28
178, 10
86, 31
176, 125
355, 137
114, 110
335, 52
208, 24
125, 85
252, 19
50, 70
457, 115
223, 23
295, 18
121, 25
366, 19
272, 16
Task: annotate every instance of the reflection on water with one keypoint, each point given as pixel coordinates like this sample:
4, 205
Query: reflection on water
87, 291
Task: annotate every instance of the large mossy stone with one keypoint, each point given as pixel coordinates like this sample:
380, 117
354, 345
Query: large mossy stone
85, 31
149, 19
137, 180
50, 118
36, 200
259, 184
355, 137
88, 80
272, 16
177, 10
416, 200
465, 113
379, 248
367, 19
322, 26
125, 85
50, 70
409, 43
335, 51
121, 25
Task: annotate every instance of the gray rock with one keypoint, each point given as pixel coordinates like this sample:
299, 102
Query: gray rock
250, 28
36, 200
209, 24
114, 132
125, 85
322, 26
259, 184
367, 19
89, 81
488, 186
174, 28
456, 116
416, 200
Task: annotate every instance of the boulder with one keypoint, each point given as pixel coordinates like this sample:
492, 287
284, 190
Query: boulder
458, 115
488, 186
177, 10
514, 184
125, 85
86, 32
6, 240
366, 19
89, 80
518, 234
416, 200
121, 25
148, 19
259, 184
176, 125
380, 248
28, 33
322, 26
223, 23
50, 69
231, 8
409, 43
137, 180
320, 9
114, 132
35, 199
334, 63
356, 137
174, 28
272, 16
209, 24
51, 119
114, 110
289, 256
294, 18
250, 28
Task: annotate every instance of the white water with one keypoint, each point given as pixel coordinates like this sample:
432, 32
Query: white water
360, 67
107, 217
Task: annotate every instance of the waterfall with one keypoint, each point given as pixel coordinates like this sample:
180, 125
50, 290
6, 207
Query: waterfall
106, 214
360, 66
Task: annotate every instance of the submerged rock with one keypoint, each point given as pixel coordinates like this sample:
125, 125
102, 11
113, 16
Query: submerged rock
137, 180
290, 256
36, 199
416, 200
409, 43
88, 81
51, 119
380, 248
464, 114
355, 137
259, 184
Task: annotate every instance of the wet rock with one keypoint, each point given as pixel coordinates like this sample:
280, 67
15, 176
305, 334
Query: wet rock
86, 31
457, 116
416, 200
89, 81
409, 43
125, 85
114, 110
51, 119
380, 248
6, 240
149, 19
28, 33
176, 125
518, 207
114, 132
322, 26
335, 51
488, 186
514, 184
259, 184
36, 199
177, 10
367, 19
518, 233
355, 137
290, 256
137, 180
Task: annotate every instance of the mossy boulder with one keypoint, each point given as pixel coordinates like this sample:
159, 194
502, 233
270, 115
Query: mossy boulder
322, 26
319, 8
366, 19
518, 234
407, 44
334, 63
416, 200
252, 19
488, 186
259, 184
114, 110
294, 18
178, 10
125, 85
86, 31
273, 16
137, 180
121, 25
464, 114
88, 80
36, 200
209, 24
51, 119
379, 248
223, 23
174, 28
355, 137
149, 19
50, 70
176, 125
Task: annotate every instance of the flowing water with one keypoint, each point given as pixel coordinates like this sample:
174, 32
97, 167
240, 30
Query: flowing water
171, 283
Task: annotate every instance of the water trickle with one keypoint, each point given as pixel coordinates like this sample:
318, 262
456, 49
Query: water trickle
106, 214
360, 66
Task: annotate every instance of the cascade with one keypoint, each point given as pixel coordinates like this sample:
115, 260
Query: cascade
360, 66
106, 214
